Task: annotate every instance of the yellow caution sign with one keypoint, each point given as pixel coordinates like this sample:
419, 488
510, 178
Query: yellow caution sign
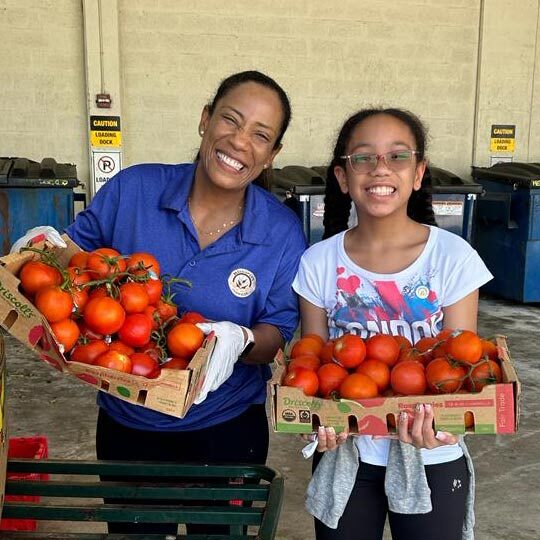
503, 138
105, 131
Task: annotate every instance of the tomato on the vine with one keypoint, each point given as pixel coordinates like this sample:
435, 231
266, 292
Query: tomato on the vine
192, 317
136, 330
133, 297
154, 288
184, 339
143, 263
104, 315
66, 332
444, 375
120, 346
144, 365
78, 260
176, 363
54, 303
408, 378
114, 360
166, 310
105, 262
87, 353
36, 275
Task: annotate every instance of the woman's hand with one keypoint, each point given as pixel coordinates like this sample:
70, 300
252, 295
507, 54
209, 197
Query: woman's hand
328, 440
421, 434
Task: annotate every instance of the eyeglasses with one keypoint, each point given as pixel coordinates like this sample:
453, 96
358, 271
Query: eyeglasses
396, 160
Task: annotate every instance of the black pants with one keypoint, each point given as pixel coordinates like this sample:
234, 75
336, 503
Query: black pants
243, 439
365, 513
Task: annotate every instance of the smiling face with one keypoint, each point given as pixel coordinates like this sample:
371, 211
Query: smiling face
382, 191
240, 136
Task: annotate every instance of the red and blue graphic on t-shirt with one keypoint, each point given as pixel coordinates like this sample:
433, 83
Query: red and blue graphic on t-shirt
368, 307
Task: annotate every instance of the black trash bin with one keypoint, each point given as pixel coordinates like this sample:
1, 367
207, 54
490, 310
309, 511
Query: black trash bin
508, 229
35, 193
454, 202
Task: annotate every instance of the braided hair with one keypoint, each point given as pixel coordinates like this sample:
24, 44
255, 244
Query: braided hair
337, 205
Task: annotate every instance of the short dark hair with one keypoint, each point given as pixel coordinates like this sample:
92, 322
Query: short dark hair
337, 204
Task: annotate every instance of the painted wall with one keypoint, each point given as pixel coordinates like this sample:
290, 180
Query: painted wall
462, 65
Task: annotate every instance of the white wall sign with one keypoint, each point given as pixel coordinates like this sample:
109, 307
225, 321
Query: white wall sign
105, 165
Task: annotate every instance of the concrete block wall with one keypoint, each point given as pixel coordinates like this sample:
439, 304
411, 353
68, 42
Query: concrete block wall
42, 86
331, 58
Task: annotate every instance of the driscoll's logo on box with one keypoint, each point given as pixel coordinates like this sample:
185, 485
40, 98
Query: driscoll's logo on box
313, 405
24, 309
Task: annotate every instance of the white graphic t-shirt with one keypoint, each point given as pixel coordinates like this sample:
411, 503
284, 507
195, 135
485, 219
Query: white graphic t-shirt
409, 302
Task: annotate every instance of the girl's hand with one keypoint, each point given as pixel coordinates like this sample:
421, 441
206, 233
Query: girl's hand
422, 434
328, 440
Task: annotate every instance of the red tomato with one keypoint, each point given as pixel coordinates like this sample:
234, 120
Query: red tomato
376, 370
184, 340
426, 345
403, 342
358, 386
88, 352
306, 345
465, 347
77, 276
79, 297
302, 378
489, 350
176, 363
349, 351
143, 263
152, 314
133, 297
485, 372
104, 315
121, 347
307, 361
105, 262
154, 288
144, 365
136, 330
79, 259
327, 353
330, 378
408, 378
114, 360
66, 332
192, 317
54, 303
35, 275
383, 347
86, 332
166, 310
445, 376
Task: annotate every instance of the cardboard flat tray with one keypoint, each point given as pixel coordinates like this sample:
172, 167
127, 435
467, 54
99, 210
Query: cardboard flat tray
495, 408
173, 392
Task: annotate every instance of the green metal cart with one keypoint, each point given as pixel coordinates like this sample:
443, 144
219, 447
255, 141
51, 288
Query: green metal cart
247, 498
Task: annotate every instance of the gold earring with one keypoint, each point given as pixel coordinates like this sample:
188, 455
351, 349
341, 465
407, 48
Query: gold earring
265, 166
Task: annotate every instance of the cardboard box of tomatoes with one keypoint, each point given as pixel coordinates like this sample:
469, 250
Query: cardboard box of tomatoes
493, 410
172, 392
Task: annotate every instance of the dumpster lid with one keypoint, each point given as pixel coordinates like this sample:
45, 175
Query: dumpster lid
444, 181
23, 172
525, 175
301, 180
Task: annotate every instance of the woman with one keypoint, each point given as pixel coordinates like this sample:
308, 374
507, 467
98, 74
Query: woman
409, 277
210, 223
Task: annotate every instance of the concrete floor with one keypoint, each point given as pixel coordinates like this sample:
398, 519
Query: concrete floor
42, 401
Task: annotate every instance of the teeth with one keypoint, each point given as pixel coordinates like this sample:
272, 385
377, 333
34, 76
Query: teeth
230, 161
381, 190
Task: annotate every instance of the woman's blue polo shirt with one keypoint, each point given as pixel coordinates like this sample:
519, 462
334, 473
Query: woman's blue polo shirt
244, 277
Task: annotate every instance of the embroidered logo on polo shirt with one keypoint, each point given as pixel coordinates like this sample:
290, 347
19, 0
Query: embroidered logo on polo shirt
242, 282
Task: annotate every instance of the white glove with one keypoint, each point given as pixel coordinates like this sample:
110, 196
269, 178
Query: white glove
231, 341
38, 234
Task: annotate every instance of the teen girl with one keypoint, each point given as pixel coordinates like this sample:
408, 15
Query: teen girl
392, 273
